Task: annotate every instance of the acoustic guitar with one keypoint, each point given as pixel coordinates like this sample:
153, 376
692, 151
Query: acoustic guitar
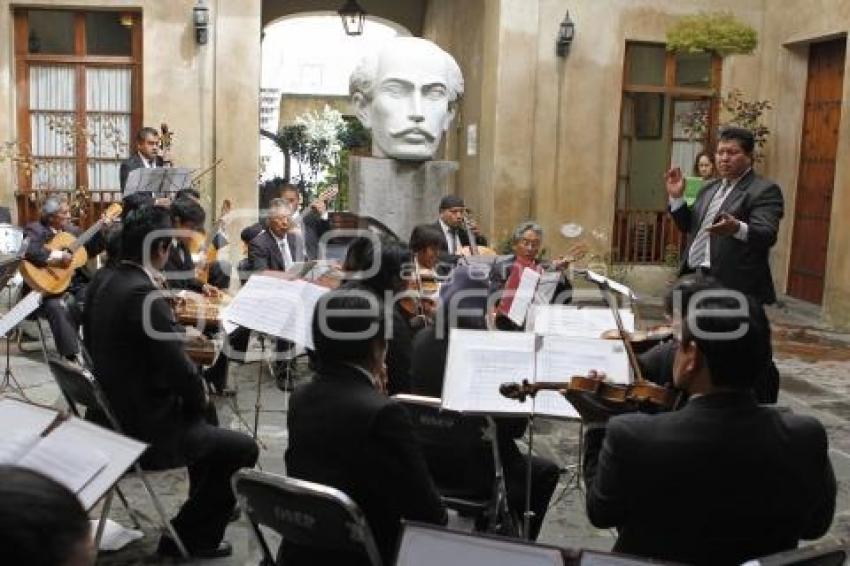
53, 279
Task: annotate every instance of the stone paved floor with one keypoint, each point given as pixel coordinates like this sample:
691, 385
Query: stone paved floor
813, 359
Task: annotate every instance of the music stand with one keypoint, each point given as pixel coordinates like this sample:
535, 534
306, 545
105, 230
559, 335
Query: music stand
157, 180
8, 269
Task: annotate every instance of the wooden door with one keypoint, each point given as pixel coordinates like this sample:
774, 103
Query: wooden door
817, 170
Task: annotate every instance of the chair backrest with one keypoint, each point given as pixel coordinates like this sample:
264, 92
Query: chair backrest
79, 387
458, 454
815, 555
423, 545
304, 513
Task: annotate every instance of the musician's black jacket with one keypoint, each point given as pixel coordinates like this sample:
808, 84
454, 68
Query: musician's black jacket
720, 481
345, 434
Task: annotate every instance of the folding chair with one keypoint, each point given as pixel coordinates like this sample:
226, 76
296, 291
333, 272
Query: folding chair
451, 442
815, 555
80, 387
304, 513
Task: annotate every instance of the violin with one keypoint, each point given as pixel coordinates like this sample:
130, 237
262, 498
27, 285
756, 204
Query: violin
420, 297
207, 247
609, 397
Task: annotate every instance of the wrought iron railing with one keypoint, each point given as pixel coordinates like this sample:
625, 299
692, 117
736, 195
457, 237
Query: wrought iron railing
646, 237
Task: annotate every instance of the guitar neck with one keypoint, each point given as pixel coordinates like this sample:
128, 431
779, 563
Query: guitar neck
83, 238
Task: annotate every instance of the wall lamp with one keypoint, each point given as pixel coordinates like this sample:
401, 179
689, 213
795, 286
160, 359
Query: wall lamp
353, 17
566, 33
201, 19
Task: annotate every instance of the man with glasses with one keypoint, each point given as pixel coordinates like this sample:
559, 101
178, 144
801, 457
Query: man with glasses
63, 311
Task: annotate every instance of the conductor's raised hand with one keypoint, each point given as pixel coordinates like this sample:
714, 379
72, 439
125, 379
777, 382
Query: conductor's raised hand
674, 182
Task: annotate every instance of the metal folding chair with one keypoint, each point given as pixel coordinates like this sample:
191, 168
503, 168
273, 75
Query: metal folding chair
80, 387
304, 513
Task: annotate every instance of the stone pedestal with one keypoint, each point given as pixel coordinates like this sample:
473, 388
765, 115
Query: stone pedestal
399, 194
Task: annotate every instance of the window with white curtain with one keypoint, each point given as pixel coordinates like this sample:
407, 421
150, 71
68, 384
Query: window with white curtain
81, 108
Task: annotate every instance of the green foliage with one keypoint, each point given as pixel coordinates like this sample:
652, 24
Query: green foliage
717, 32
736, 110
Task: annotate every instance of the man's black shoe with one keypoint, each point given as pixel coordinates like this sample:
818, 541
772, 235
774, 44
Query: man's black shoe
167, 547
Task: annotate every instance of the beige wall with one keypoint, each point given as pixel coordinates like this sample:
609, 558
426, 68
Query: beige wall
783, 80
211, 104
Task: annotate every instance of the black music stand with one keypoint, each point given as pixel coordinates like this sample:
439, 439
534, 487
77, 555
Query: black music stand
158, 180
8, 269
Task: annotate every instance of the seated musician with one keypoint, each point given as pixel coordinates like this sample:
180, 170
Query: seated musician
274, 248
188, 215
427, 244
463, 304
63, 311
505, 276
386, 284
452, 226
310, 223
722, 480
154, 389
346, 433
657, 362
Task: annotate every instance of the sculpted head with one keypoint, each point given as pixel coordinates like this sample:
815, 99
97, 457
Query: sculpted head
406, 93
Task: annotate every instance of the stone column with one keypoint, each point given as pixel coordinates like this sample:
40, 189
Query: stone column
399, 194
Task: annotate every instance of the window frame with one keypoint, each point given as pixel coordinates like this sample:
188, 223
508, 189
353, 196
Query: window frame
80, 61
626, 219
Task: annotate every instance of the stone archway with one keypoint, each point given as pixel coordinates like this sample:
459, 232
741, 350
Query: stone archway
410, 14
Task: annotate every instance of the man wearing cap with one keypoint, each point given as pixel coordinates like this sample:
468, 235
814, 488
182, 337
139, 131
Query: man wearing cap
451, 224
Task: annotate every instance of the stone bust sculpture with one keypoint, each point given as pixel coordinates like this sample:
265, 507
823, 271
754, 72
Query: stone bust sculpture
406, 93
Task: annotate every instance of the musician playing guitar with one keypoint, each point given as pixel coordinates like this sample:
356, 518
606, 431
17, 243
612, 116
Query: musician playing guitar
61, 307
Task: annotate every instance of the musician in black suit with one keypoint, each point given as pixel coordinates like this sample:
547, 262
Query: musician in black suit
312, 221
62, 311
154, 389
722, 480
275, 248
146, 155
278, 246
378, 270
732, 226
463, 304
526, 240
452, 225
346, 433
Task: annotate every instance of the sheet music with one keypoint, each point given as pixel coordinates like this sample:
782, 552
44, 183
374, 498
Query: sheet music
121, 453
561, 358
15, 444
72, 464
20, 311
524, 295
20, 416
546, 287
584, 322
478, 362
276, 306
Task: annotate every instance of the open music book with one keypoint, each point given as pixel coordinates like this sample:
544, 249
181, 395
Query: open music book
85, 458
479, 361
583, 322
276, 306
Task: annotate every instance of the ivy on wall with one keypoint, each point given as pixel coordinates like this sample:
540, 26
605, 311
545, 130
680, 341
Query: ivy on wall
718, 32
